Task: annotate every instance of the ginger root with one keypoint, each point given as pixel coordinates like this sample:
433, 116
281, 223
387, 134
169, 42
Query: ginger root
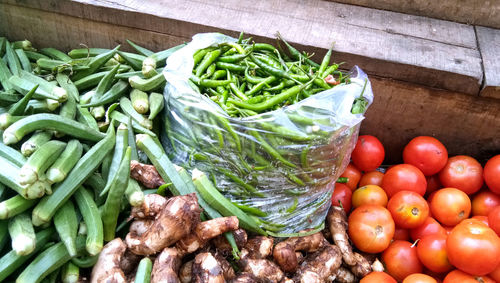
362, 266
320, 266
129, 262
205, 231
146, 175
151, 207
107, 268
284, 252
377, 266
262, 269
186, 272
337, 222
245, 277
139, 227
223, 246
227, 269
175, 221
166, 267
343, 275
259, 247
206, 269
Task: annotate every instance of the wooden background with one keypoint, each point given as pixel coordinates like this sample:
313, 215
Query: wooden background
430, 77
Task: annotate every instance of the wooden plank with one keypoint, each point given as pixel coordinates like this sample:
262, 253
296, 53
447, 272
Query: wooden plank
401, 111
45, 29
379, 50
489, 46
485, 13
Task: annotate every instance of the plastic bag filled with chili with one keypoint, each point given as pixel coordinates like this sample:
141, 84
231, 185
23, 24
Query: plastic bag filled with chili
280, 165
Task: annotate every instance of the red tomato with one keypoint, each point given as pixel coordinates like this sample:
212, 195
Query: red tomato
371, 228
462, 172
433, 184
483, 219
430, 226
492, 174
457, 276
401, 260
369, 194
419, 278
368, 154
473, 247
495, 275
353, 175
401, 234
408, 209
484, 202
371, 178
378, 277
450, 206
404, 177
342, 196
431, 251
427, 154
494, 220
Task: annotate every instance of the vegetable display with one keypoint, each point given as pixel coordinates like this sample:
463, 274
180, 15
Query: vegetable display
264, 125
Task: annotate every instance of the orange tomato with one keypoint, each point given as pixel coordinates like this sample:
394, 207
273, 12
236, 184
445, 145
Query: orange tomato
353, 175
473, 247
484, 202
401, 234
369, 194
431, 251
457, 276
371, 178
371, 228
430, 226
419, 278
401, 260
408, 209
378, 277
450, 206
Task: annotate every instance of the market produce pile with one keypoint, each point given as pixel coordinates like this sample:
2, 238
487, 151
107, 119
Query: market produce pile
88, 192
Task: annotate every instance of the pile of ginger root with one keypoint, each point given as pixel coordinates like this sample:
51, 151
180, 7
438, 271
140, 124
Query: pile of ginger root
185, 249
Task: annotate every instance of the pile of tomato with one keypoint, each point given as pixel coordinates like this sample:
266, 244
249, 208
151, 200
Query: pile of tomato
432, 219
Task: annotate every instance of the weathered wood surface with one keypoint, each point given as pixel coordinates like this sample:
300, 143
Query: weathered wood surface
408, 48
401, 111
489, 45
477, 12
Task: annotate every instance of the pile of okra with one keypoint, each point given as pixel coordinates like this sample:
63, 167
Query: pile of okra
246, 78
69, 124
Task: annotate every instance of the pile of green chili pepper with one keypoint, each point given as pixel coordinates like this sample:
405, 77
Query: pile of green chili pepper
259, 77
274, 162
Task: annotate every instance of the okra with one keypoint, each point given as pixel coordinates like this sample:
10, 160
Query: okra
66, 223
24, 60
87, 52
89, 81
41, 106
105, 83
91, 216
59, 93
126, 106
111, 207
134, 193
68, 109
12, 155
150, 84
33, 55
65, 82
45, 263
149, 68
70, 273
113, 94
156, 104
85, 262
85, 117
35, 141
19, 129
12, 60
143, 274
23, 86
4, 233
212, 196
161, 56
121, 144
120, 117
22, 44
6, 120
11, 262
139, 101
5, 74
55, 54
134, 61
43, 212
65, 162
98, 112
20, 107
140, 49
22, 234
40, 161
95, 63
15, 205
8, 177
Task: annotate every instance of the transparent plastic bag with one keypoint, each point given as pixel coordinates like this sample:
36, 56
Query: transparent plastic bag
280, 166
